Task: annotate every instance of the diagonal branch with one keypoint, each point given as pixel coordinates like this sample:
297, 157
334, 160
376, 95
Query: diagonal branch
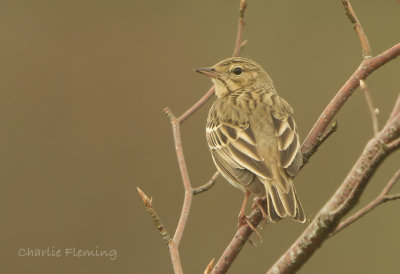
344, 199
197, 105
367, 67
307, 154
382, 198
239, 44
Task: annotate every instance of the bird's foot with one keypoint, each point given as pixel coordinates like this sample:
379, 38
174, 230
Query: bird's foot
243, 219
258, 203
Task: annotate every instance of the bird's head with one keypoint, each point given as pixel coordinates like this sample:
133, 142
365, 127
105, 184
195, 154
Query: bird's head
236, 73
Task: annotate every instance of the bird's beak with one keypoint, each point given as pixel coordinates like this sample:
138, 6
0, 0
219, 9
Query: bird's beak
209, 72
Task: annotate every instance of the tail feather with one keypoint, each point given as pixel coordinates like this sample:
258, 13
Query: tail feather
299, 210
277, 202
281, 204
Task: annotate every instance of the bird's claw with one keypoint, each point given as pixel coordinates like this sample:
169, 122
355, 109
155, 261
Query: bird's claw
243, 219
258, 204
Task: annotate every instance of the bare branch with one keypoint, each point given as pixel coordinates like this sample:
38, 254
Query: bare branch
307, 154
382, 198
237, 243
185, 177
197, 105
206, 186
239, 44
364, 70
344, 199
393, 197
366, 49
373, 111
391, 183
396, 109
176, 262
394, 144
154, 216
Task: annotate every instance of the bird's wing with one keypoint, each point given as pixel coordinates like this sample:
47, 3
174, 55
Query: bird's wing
233, 147
290, 157
285, 161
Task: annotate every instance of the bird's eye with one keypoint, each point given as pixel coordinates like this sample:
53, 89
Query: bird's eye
238, 70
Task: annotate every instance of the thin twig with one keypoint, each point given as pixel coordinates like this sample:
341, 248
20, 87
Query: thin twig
382, 198
366, 49
173, 249
206, 186
373, 111
394, 144
154, 216
185, 177
307, 154
197, 105
391, 183
396, 109
239, 44
393, 197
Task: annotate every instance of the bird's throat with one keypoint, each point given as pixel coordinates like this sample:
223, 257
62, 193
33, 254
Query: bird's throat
221, 89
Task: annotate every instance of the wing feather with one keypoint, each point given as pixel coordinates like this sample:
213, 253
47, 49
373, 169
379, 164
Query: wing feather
290, 157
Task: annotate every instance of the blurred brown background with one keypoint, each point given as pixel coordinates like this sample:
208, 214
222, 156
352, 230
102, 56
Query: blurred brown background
83, 85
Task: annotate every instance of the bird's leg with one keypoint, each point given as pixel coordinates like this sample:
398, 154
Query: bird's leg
242, 217
258, 203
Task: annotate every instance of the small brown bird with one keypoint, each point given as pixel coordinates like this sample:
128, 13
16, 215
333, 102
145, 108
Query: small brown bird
253, 138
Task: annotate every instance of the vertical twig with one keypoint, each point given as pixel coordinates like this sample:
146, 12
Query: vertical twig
239, 44
373, 111
396, 109
185, 177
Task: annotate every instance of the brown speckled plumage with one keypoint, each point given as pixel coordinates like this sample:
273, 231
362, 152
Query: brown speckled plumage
252, 136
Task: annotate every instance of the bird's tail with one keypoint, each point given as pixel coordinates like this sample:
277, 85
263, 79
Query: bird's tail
283, 203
